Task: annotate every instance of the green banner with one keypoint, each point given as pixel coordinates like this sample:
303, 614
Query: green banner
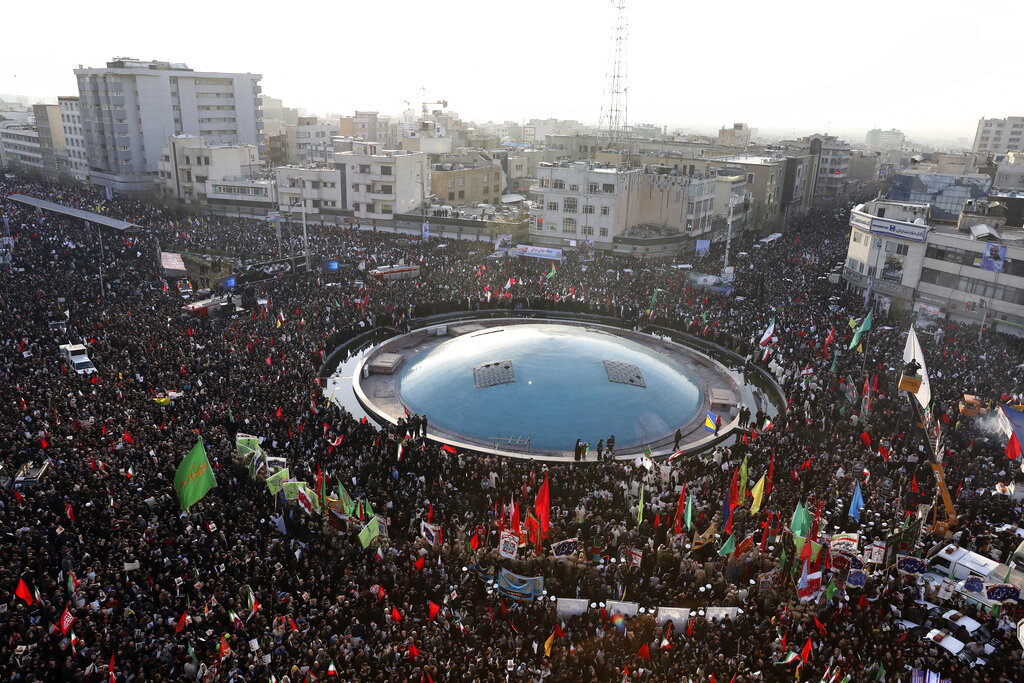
275, 481
346, 500
291, 489
369, 532
194, 477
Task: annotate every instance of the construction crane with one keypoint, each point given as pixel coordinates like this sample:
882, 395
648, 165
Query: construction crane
443, 103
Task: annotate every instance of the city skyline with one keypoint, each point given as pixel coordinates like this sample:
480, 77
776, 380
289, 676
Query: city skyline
876, 78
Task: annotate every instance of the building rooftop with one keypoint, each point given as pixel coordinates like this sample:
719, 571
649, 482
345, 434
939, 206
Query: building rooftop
752, 160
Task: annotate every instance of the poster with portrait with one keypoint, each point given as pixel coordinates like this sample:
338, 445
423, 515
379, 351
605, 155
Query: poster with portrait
892, 270
586, 251
993, 258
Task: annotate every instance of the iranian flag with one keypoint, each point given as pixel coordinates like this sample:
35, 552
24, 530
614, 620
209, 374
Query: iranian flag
511, 281
332, 670
766, 338
254, 604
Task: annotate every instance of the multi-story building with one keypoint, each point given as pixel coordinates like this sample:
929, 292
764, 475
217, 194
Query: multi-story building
20, 149
945, 184
938, 272
832, 185
999, 136
766, 178
52, 144
366, 126
309, 141
316, 192
737, 136
188, 162
71, 121
130, 107
465, 182
878, 139
581, 201
801, 172
1010, 173
380, 183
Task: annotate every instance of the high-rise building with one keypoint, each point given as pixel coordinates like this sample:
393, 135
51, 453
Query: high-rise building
878, 139
52, 145
71, 120
999, 136
130, 107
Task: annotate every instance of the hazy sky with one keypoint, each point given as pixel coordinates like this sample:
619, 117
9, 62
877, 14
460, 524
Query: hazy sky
931, 69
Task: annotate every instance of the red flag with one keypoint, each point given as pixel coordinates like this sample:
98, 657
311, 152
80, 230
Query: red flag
448, 448
819, 625
279, 414
128, 437
558, 631
645, 652
23, 592
862, 602
413, 652
430, 514
474, 542
542, 505
43, 443
689, 628
420, 563
865, 438
292, 624
181, 622
771, 470
432, 609
66, 619
69, 511
806, 652
110, 669
913, 484
395, 614
1013, 447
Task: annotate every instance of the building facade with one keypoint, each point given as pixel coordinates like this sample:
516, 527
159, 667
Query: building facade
766, 178
945, 192
188, 162
878, 139
52, 144
20, 149
939, 273
380, 183
737, 136
1010, 173
319, 192
129, 108
466, 184
831, 185
999, 136
71, 120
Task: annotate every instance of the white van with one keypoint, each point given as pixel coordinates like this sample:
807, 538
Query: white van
77, 358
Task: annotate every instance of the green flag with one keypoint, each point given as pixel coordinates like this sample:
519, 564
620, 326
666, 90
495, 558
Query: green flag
640, 509
192, 654
275, 480
368, 507
832, 368
369, 532
689, 512
729, 547
795, 524
291, 489
346, 500
743, 482
864, 327
783, 559
551, 274
194, 477
830, 589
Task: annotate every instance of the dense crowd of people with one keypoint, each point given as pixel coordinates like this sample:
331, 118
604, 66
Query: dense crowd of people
247, 586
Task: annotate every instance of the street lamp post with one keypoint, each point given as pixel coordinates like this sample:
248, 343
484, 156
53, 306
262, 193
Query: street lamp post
728, 223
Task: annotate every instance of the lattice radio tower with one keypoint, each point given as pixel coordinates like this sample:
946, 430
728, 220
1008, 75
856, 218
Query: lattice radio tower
614, 122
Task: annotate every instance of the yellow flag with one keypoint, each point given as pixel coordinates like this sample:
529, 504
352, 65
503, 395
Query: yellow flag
853, 324
757, 492
279, 322
860, 348
548, 643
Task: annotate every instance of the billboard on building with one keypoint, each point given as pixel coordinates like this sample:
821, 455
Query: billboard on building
993, 258
703, 246
892, 269
539, 252
586, 250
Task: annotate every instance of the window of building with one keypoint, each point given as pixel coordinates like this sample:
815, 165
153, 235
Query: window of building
608, 188
604, 232
558, 184
385, 189
569, 205
545, 182
605, 211
462, 194
462, 181
588, 208
588, 230
750, 179
364, 168
574, 188
385, 170
386, 208
451, 195
552, 206
896, 248
593, 188
451, 182
569, 226
487, 177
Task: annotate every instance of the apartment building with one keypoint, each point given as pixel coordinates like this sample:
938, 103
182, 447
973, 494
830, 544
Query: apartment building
130, 107
71, 121
20, 149
832, 184
380, 183
737, 136
462, 181
187, 162
52, 144
765, 177
1010, 173
999, 136
318, 192
938, 272
878, 139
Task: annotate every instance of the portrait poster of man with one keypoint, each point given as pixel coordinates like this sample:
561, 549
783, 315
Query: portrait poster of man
993, 258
